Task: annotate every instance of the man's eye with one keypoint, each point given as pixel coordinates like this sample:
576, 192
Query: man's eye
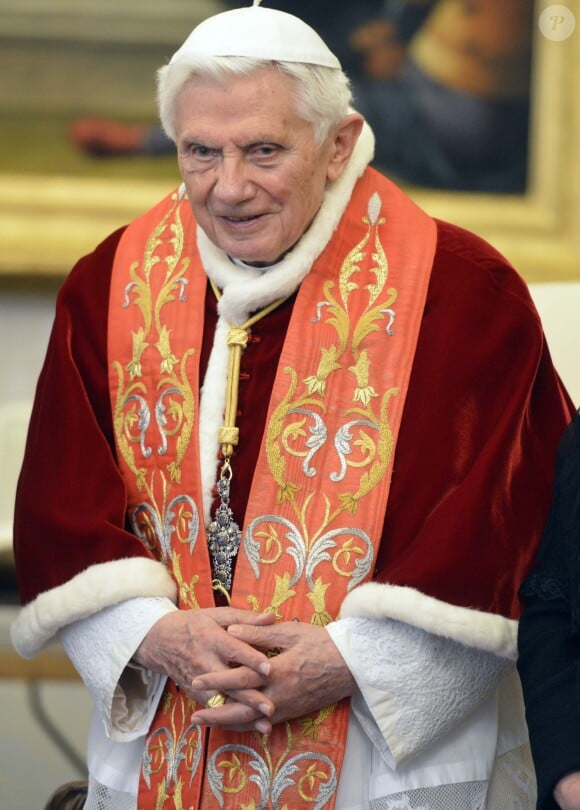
200, 152
265, 150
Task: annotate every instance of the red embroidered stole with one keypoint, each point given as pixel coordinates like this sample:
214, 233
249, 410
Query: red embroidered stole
320, 489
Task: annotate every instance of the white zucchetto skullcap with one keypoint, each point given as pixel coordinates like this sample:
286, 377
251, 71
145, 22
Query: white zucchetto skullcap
259, 33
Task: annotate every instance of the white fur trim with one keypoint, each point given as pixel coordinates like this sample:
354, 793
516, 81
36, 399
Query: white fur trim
473, 628
212, 403
97, 587
246, 289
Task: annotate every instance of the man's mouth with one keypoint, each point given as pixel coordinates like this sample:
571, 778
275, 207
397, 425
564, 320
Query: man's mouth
241, 219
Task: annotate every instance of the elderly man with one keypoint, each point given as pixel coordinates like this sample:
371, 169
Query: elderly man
289, 460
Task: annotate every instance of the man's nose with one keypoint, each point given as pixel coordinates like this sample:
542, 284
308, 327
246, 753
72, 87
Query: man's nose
233, 184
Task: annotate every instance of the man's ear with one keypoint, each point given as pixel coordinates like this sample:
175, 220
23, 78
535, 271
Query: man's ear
344, 140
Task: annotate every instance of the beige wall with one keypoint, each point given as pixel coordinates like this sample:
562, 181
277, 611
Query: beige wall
98, 55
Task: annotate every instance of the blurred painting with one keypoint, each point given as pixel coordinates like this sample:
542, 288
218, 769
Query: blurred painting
445, 85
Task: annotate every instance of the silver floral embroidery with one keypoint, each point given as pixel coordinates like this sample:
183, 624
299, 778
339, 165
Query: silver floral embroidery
318, 436
392, 315
182, 283
342, 443
272, 790
148, 527
143, 421
361, 567
306, 561
175, 753
319, 307
126, 297
374, 208
161, 418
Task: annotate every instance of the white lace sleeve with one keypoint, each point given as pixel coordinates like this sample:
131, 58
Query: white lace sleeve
414, 686
101, 647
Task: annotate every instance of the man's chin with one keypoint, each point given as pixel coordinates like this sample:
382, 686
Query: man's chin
253, 252
253, 258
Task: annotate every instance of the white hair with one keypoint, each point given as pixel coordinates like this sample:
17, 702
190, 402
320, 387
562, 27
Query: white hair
323, 94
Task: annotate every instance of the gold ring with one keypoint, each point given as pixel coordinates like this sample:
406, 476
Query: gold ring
217, 700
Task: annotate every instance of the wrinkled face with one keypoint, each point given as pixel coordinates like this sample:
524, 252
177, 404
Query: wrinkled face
254, 175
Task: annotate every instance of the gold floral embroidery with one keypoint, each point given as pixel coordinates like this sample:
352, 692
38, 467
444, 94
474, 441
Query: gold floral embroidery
328, 364
187, 596
157, 281
139, 346
179, 741
282, 593
287, 431
317, 597
363, 392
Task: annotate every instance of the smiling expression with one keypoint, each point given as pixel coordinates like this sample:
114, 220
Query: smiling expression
254, 174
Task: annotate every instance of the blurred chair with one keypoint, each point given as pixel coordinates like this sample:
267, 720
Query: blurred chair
14, 418
52, 663
71, 796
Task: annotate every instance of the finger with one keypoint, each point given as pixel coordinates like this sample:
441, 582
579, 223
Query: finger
255, 700
224, 616
240, 653
222, 682
262, 726
230, 680
223, 650
228, 715
232, 715
201, 697
280, 636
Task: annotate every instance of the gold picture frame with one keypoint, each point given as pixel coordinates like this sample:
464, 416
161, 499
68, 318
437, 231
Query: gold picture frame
47, 222
539, 231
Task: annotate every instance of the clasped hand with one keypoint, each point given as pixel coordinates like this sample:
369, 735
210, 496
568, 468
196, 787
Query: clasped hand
226, 650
